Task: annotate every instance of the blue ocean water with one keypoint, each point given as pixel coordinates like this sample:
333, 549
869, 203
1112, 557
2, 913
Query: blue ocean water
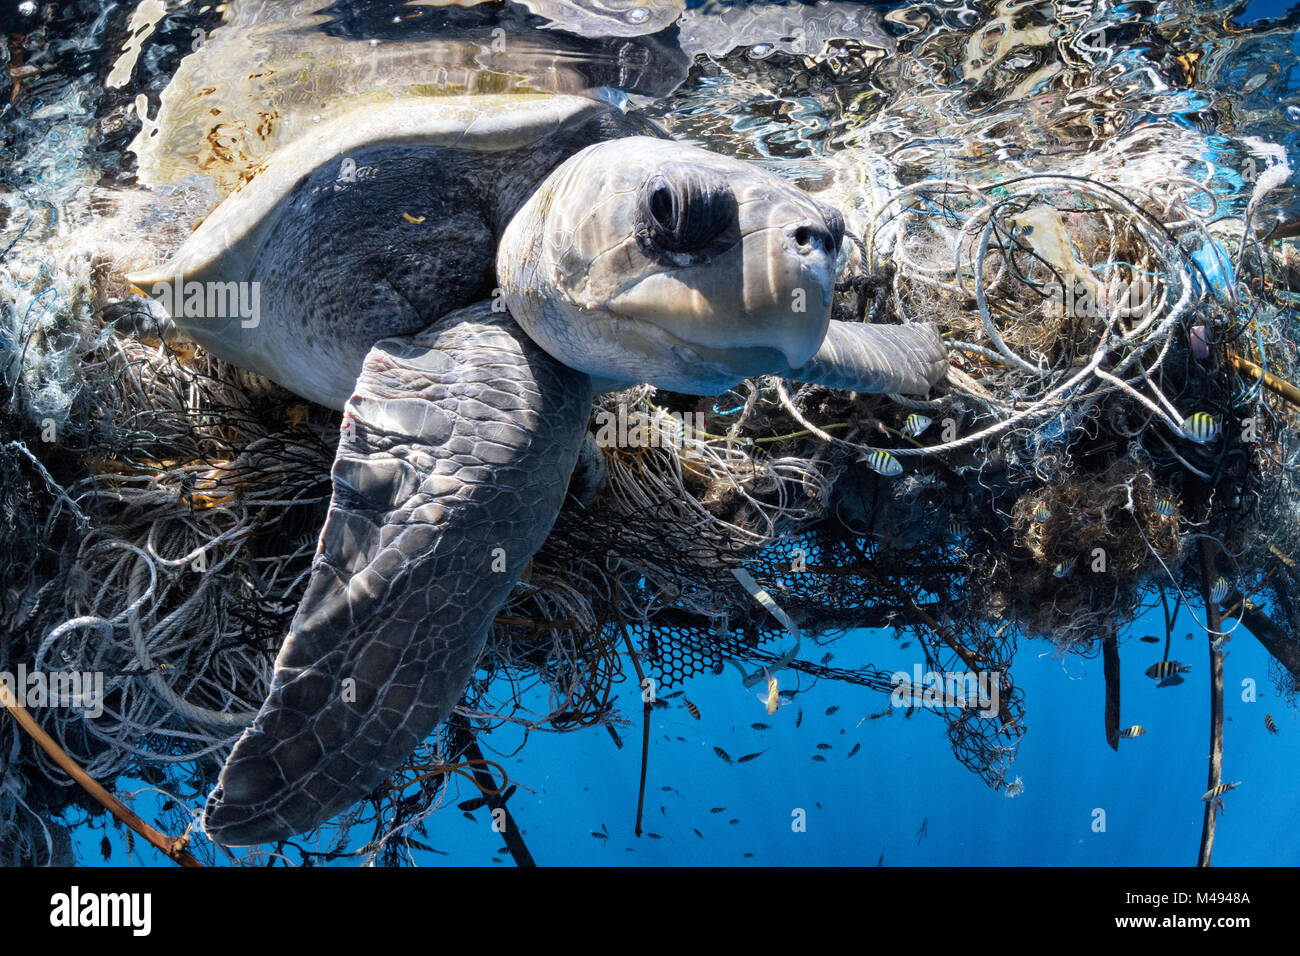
1082, 804
902, 799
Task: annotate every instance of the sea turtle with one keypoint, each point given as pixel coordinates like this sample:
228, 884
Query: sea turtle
460, 276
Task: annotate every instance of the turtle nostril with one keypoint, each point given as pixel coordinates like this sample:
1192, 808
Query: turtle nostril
810, 237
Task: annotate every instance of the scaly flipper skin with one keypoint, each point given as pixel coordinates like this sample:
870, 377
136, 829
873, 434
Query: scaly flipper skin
879, 359
458, 441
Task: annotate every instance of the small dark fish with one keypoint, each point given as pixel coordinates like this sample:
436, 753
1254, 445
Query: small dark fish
474, 804
497, 859
881, 861
749, 856
697, 833
105, 848
664, 811
722, 755
604, 828
692, 709
734, 820
667, 789
760, 726
905, 645
830, 711
1269, 725
819, 758
827, 659
469, 817
599, 836
718, 668
924, 832
748, 757
856, 748
824, 747
653, 836
660, 703
717, 809
676, 693
1149, 639
798, 717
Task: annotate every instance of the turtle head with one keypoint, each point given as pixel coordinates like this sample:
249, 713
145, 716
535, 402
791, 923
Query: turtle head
644, 260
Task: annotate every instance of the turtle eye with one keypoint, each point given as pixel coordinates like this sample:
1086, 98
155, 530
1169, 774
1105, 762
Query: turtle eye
663, 209
687, 209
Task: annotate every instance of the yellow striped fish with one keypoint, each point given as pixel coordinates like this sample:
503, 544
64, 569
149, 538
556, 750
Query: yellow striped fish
1165, 507
1269, 725
691, 709
1042, 513
1137, 730
915, 424
1201, 427
1167, 672
1063, 568
883, 462
1220, 790
1220, 590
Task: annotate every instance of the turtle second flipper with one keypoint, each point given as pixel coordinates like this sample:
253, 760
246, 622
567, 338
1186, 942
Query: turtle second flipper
455, 455
903, 359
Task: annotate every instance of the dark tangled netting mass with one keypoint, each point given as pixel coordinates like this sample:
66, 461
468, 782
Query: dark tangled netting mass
159, 509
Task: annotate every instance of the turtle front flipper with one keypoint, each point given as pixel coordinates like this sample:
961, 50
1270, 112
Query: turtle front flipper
455, 455
881, 359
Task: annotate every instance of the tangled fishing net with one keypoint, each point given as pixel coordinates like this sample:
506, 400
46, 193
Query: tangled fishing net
1122, 356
